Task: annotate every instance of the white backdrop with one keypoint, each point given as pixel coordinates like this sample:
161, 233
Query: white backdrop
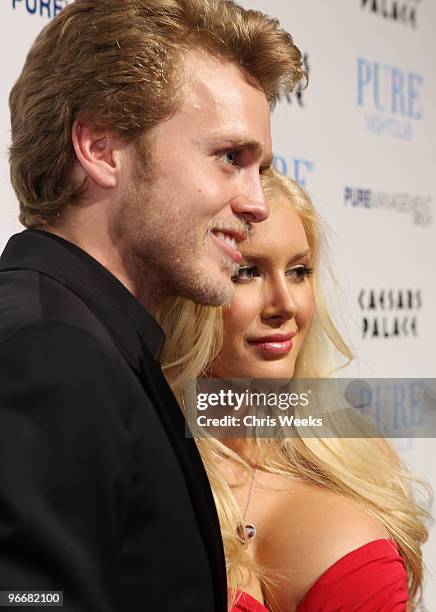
361, 140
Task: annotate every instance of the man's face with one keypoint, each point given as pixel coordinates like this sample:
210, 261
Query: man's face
186, 224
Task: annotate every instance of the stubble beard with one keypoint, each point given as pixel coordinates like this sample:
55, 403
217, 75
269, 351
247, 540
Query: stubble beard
202, 288
165, 260
190, 273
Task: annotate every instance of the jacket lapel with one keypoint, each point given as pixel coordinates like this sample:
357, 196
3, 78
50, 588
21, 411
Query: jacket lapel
189, 458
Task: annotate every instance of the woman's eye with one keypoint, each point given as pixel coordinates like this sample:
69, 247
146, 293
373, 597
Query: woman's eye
245, 273
300, 273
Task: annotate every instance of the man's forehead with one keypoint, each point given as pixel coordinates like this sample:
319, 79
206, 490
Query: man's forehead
222, 106
195, 62
217, 80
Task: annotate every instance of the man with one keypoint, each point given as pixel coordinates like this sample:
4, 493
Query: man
139, 132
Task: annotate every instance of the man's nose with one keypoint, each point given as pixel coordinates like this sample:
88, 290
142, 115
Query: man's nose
251, 204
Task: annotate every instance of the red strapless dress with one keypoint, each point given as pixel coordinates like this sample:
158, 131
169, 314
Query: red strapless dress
371, 578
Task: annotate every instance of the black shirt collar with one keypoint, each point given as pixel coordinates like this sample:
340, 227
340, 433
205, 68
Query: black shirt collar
124, 316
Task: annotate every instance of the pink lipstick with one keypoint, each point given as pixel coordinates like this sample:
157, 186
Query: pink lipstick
274, 344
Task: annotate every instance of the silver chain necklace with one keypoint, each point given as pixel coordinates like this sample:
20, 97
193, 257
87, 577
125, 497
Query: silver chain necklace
246, 532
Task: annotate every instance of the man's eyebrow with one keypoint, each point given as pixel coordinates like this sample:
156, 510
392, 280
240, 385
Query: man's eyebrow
232, 141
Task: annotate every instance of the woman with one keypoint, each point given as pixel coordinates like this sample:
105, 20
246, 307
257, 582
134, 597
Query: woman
336, 527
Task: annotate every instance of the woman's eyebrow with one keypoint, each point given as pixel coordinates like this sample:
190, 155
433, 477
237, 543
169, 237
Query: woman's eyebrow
301, 255
260, 257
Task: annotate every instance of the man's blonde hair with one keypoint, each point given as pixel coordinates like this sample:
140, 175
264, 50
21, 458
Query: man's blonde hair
116, 64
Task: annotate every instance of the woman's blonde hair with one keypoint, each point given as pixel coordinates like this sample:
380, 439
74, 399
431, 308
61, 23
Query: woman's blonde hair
366, 470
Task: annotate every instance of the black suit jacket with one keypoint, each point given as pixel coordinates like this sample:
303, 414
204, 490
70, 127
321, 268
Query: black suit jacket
101, 494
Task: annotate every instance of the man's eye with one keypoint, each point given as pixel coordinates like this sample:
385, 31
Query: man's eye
229, 157
245, 273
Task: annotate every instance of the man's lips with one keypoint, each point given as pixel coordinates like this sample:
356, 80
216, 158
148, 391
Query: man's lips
274, 344
238, 234
228, 241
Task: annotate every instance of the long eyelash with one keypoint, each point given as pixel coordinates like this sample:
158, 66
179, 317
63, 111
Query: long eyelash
303, 271
237, 278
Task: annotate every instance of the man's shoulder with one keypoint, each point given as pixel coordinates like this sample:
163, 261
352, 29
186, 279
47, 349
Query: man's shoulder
29, 298
48, 332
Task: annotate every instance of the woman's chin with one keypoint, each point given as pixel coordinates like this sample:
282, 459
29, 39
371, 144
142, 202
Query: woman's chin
258, 368
269, 369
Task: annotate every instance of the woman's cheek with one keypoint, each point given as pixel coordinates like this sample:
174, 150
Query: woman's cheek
305, 307
240, 315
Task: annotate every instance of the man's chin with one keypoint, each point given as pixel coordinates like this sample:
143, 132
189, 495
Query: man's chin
218, 294
209, 290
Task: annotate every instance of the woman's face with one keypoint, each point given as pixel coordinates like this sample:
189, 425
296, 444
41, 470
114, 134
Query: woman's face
265, 324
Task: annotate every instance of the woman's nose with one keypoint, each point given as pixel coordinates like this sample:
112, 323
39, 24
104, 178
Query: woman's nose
279, 300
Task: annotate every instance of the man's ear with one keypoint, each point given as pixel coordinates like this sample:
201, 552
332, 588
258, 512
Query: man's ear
95, 153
